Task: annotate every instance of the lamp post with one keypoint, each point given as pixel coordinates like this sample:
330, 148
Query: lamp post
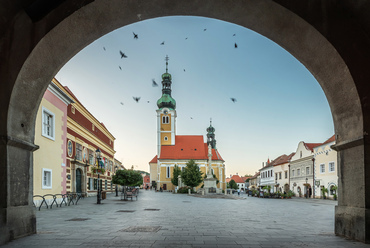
306, 188
98, 153
116, 184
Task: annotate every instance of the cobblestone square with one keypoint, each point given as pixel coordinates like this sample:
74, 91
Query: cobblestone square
198, 222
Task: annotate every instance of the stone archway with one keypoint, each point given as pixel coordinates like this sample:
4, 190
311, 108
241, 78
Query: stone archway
329, 38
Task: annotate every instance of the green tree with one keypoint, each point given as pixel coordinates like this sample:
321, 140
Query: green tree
192, 176
176, 173
233, 184
127, 178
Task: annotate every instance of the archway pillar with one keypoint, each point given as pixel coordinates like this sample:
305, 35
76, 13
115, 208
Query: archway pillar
17, 215
352, 215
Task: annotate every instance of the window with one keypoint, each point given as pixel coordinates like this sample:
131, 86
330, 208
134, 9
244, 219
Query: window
78, 151
91, 157
331, 167
276, 175
72, 109
165, 138
48, 125
168, 174
279, 175
95, 183
300, 154
165, 119
91, 183
322, 168
298, 172
307, 170
106, 184
46, 179
293, 173
286, 174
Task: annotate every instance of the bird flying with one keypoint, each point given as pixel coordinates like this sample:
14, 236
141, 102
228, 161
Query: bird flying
236, 45
122, 54
162, 43
135, 36
137, 99
104, 48
205, 29
233, 99
154, 83
233, 34
120, 68
121, 103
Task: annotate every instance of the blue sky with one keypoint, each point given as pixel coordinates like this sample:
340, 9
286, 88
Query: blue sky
279, 103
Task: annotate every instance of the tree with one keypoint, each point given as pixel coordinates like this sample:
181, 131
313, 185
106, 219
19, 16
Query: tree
192, 176
127, 178
233, 184
176, 173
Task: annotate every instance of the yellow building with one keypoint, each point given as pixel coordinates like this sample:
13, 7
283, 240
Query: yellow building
177, 150
49, 170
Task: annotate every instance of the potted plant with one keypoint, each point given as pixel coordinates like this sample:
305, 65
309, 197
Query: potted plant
324, 191
96, 170
334, 190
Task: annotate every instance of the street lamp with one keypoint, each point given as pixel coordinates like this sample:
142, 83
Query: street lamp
116, 184
97, 154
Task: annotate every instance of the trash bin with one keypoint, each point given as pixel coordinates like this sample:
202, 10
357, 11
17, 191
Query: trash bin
103, 195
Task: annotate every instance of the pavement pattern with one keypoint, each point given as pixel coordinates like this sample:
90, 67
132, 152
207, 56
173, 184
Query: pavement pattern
162, 219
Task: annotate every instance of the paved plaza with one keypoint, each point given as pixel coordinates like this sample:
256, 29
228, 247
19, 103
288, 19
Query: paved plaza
177, 220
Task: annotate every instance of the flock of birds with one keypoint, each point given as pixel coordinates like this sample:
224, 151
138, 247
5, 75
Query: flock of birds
154, 83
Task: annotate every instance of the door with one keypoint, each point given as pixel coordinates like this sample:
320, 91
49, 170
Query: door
78, 181
164, 186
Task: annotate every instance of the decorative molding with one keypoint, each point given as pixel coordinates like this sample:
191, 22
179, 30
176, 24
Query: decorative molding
15, 142
347, 144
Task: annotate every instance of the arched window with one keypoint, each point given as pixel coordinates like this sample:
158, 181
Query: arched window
165, 119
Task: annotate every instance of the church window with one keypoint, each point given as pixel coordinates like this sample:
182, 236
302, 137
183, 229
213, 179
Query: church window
168, 174
165, 119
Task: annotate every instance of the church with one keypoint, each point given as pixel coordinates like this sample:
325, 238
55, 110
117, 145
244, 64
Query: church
173, 149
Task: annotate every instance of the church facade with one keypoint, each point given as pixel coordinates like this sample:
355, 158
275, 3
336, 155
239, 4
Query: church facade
173, 149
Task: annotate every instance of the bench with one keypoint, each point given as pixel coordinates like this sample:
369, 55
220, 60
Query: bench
129, 193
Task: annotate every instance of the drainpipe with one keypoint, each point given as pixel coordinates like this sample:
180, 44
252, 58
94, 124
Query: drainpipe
289, 176
313, 171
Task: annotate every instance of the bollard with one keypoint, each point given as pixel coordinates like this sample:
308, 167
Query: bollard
189, 191
225, 191
203, 192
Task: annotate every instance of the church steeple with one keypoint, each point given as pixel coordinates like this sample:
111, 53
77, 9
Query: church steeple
166, 100
211, 136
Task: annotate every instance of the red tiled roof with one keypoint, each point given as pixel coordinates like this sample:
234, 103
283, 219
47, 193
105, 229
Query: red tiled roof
245, 178
331, 139
188, 147
310, 146
237, 179
154, 160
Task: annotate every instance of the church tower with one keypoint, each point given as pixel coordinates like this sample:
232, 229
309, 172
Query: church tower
211, 136
166, 113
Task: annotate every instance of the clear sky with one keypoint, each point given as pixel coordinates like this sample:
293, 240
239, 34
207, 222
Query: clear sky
279, 103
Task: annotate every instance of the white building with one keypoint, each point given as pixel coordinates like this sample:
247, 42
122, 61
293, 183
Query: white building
326, 172
267, 176
281, 170
301, 169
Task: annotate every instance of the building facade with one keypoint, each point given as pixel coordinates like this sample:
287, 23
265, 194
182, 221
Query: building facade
267, 176
326, 169
281, 170
49, 170
173, 149
85, 134
301, 168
